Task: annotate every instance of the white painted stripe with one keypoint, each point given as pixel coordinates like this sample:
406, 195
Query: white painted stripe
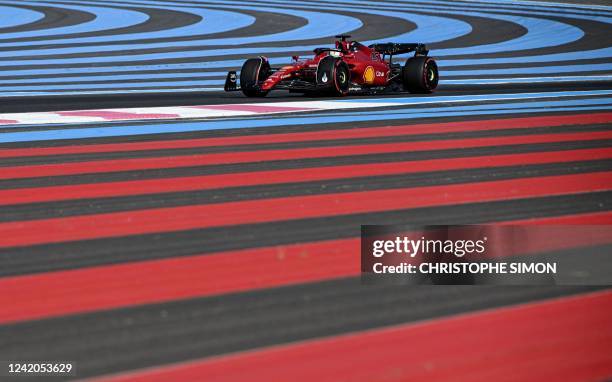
338, 104
267, 108
185, 112
46, 118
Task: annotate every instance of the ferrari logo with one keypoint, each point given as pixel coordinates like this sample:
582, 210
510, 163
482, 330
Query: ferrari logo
368, 75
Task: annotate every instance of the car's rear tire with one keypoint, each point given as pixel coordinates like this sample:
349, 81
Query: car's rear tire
420, 74
254, 71
334, 76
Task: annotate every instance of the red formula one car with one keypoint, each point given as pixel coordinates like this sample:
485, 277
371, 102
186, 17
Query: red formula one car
350, 67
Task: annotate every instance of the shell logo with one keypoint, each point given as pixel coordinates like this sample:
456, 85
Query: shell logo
368, 75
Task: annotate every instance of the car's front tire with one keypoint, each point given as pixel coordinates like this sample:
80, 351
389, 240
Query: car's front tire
420, 74
334, 75
254, 71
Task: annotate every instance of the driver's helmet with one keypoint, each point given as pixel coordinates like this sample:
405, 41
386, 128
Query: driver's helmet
344, 46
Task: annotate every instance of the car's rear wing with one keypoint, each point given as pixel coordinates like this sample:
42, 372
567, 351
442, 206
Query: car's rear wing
392, 49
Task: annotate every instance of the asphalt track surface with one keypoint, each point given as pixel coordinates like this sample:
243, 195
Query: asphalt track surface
148, 245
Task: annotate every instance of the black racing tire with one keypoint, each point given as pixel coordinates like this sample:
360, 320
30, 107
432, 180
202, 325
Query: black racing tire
342, 79
334, 76
420, 74
254, 71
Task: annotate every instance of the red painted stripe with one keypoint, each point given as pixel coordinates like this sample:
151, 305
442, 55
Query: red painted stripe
369, 132
115, 165
7, 122
113, 115
267, 210
113, 286
105, 287
152, 186
567, 339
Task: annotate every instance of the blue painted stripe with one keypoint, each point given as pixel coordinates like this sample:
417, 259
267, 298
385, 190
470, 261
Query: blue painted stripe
349, 116
428, 27
527, 70
537, 35
125, 85
493, 5
114, 77
212, 21
13, 16
526, 80
316, 28
105, 69
26, 94
319, 25
566, 56
475, 97
186, 76
541, 33
106, 18
541, 4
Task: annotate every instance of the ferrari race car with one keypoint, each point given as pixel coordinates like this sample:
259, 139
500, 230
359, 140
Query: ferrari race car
350, 67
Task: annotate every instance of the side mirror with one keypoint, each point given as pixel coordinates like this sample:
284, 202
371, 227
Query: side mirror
295, 58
